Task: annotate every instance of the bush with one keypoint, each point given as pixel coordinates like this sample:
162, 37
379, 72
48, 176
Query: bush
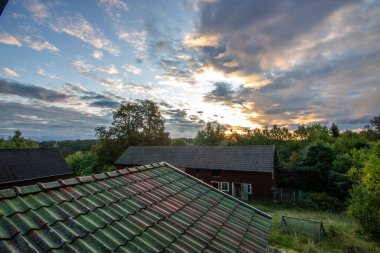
83, 163
365, 208
324, 201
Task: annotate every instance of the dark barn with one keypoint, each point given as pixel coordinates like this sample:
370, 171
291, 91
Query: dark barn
29, 166
246, 172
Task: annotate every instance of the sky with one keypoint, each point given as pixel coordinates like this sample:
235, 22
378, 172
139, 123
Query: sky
66, 65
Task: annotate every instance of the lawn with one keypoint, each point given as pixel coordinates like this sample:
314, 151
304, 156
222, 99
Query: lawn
341, 231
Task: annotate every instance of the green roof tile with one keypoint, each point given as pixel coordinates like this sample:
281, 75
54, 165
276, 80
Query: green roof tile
145, 209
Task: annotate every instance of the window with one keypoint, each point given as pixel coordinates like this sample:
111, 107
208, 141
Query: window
225, 186
215, 184
249, 188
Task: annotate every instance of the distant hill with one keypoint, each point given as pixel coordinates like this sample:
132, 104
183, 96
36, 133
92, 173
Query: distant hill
70, 146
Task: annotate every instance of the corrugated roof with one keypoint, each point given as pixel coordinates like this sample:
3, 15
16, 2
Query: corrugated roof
151, 208
241, 158
27, 164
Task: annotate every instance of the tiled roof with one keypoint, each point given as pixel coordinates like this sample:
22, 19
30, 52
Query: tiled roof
27, 164
151, 208
242, 158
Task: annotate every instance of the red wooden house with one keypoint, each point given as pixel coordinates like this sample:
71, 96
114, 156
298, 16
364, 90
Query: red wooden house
246, 172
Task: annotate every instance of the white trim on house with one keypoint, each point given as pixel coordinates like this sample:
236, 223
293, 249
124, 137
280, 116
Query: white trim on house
249, 188
222, 184
212, 182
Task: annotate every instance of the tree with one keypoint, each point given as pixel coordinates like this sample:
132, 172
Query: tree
210, 135
138, 123
349, 141
17, 141
311, 133
334, 130
319, 157
372, 131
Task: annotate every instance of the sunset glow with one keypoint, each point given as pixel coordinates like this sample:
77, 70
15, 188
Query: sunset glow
245, 64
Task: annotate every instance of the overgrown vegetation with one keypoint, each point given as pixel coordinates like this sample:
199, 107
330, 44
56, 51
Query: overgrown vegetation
342, 232
70, 146
17, 141
339, 171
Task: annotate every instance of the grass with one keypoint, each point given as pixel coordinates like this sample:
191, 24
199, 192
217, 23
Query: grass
342, 232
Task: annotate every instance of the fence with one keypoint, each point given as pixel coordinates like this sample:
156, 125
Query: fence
289, 195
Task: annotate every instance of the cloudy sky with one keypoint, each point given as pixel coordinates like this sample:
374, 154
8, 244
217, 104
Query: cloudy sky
65, 65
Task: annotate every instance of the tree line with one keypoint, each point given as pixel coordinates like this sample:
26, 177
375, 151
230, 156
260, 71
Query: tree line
338, 170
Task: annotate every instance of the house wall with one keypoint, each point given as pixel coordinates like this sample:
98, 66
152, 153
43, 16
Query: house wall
261, 182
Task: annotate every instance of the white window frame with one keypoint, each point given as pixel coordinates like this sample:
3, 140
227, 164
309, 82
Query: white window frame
250, 188
221, 186
215, 182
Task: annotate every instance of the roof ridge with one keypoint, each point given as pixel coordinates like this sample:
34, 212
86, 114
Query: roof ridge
16, 191
51, 148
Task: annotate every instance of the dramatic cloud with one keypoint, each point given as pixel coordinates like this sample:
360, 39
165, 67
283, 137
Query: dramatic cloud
44, 73
114, 7
132, 69
40, 11
96, 54
137, 39
40, 45
31, 91
80, 28
10, 72
111, 69
180, 124
41, 122
74, 25
202, 40
106, 104
319, 70
9, 40
36, 44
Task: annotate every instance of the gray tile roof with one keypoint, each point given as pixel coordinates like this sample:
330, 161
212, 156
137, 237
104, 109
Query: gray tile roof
26, 164
152, 208
240, 158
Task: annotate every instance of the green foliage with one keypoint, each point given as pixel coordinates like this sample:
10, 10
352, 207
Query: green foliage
373, 129
69, 147
341, 231
334, 130
312, 133
342, 163
364, 206
324, 201
210, 135
348, 141
134, 123
17, 141
86, 163
319, 157
83, 163
178, 142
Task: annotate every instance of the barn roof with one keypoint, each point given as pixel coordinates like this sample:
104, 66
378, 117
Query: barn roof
241, 158
18, 165
149, 208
